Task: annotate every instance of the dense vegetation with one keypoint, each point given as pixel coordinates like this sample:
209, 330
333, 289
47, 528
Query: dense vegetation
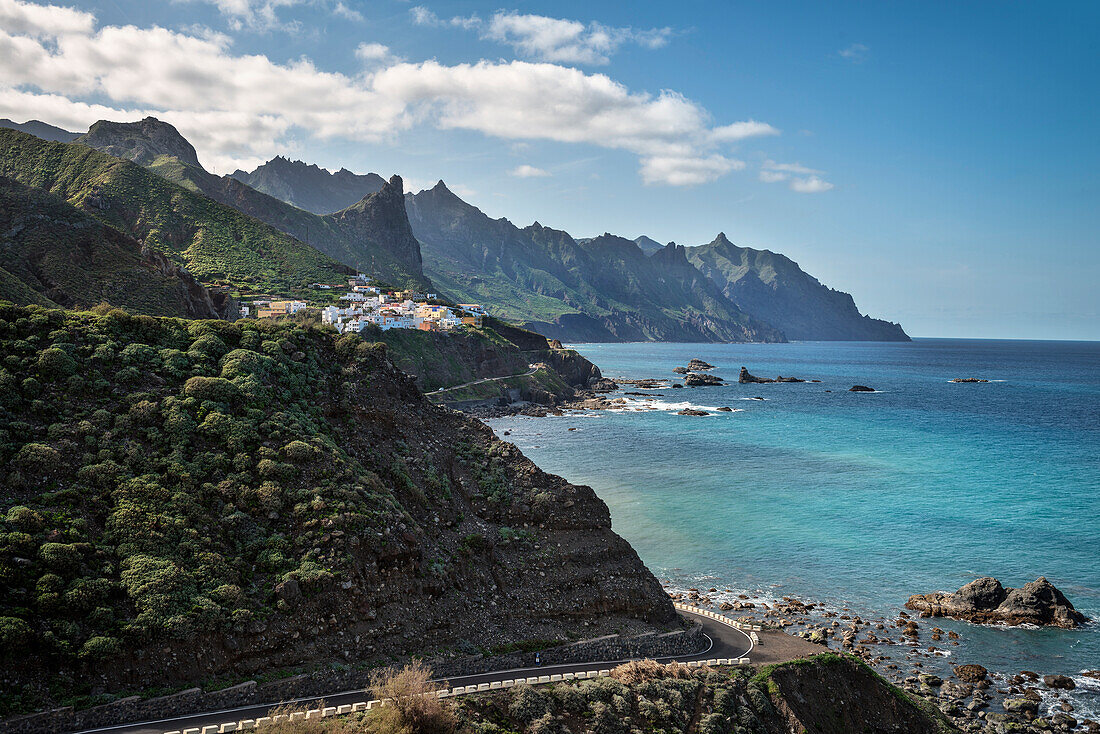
214, 242
53, 254
125, 441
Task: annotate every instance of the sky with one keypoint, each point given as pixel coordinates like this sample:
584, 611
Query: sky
937, 160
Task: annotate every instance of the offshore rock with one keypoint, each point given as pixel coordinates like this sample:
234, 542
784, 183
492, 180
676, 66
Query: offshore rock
861, 388
746, 378
693, 380
985, 601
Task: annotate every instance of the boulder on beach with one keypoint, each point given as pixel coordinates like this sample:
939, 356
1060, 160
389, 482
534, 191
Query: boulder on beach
603, 384
746, 378
861, 388
693, 380
692, 411
986, 601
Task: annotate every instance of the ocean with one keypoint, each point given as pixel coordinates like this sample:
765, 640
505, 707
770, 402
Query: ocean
859, 500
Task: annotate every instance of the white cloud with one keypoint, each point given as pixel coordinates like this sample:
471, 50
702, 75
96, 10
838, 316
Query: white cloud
810, 185
742, 130
544, 38
56, 65
373, 54
788, 167
40, 21
687, 171
347, 13
526, 171
263, 15
855, 53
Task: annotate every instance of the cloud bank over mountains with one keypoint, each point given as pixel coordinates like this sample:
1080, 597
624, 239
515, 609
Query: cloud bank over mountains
60, 65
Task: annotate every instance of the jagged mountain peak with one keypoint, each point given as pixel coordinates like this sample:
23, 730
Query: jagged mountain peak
309, 186
142, 142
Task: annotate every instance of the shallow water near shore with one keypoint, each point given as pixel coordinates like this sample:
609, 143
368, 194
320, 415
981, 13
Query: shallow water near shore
859, 499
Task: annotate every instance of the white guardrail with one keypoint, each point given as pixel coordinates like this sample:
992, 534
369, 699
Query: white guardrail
321, 713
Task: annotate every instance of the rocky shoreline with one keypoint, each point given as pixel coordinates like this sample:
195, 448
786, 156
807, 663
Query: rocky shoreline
913, 654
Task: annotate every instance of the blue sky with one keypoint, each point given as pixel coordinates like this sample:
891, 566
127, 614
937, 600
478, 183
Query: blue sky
936, 160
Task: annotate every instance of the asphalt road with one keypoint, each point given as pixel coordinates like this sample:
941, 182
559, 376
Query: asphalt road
725, 642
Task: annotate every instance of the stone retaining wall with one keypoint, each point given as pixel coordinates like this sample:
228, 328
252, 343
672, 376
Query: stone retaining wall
250, 693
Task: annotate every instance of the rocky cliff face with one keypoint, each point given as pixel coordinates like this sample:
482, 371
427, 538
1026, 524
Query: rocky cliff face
773, 288
141, 142
310, 187
262, 496
380, 217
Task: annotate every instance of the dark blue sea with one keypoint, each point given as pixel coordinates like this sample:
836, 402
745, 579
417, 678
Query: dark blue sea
859, 499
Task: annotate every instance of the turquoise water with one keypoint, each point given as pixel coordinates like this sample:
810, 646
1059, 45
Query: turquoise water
858, 499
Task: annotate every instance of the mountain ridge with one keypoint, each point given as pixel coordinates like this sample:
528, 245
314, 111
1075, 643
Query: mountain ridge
352, 240
775, 288
308, 186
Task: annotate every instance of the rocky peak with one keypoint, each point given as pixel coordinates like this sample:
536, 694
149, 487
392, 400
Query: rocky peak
381, 217
142, 142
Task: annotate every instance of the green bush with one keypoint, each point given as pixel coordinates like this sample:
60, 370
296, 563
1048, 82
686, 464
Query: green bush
62, 558
24, 518
15, 635
299, 451
55, 364
216, 389
100, 648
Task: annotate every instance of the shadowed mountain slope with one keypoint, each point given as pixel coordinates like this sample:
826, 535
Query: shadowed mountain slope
53, 254
773, 287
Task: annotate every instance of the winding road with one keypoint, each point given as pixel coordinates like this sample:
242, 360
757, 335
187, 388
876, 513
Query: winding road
725, 642
531, 371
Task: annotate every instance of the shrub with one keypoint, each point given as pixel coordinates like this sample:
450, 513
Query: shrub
207, 347
299, 451
60, 557
99, 648
411, 708
55, 364
15, 635
217, 389
24, 518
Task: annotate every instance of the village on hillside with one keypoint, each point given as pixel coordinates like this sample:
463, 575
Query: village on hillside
366, 304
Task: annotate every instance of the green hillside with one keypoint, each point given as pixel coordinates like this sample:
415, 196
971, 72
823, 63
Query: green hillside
216, 243
372, 235
51, 253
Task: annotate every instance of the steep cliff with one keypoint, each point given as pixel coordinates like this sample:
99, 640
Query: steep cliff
185, 500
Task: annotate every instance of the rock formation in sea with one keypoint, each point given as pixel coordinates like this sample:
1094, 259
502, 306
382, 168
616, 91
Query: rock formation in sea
986, 601
693, 380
